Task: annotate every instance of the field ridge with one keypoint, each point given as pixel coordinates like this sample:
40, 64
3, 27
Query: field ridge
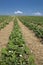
4, 35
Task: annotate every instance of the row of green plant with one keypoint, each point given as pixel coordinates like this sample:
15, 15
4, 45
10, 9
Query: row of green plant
16, 52
4, 20
34, 19
34, 23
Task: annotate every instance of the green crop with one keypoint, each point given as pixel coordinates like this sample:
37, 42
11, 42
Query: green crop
16, 52
4, 20
34, 23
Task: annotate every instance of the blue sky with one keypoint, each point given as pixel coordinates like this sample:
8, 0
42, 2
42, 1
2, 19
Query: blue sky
26, 7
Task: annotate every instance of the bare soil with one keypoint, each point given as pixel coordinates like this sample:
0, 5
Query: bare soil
4, 35
33, 43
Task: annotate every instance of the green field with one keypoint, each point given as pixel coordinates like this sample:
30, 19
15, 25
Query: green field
16, 52
34, 23
4, 20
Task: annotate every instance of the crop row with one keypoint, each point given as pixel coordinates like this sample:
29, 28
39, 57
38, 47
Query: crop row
33, 25
16, 52
4, 20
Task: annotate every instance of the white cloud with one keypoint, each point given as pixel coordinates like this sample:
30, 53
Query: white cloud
37, 13
18, 12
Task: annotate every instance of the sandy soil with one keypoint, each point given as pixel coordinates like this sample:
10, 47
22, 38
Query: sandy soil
4, 35
33, 43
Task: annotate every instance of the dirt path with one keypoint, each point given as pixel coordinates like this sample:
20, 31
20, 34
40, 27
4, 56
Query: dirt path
33, 43
4, 34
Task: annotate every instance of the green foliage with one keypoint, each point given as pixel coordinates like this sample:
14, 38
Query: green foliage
34, 23
4, 20
16, 52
